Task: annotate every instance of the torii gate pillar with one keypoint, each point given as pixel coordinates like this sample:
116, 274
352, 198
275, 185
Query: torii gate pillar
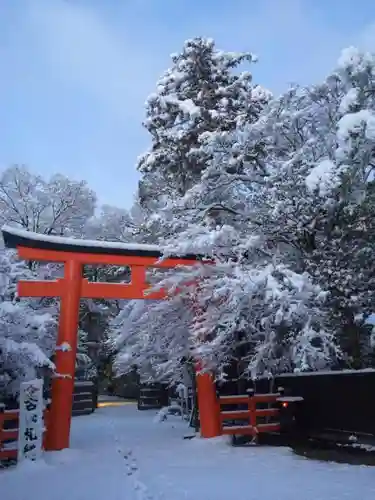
74, 254
65, 360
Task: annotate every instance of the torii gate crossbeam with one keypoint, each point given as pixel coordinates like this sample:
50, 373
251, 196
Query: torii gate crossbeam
74, 254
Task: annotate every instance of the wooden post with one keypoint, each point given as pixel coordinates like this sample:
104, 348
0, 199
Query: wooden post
58, 432
208, 405
252, 406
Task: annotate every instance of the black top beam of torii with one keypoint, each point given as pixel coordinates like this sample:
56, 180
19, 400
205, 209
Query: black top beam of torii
15, 237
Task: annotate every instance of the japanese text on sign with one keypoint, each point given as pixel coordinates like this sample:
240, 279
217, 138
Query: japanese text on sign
31, 420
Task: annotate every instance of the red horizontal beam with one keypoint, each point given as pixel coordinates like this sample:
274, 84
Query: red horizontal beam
244, 399
118, 291
233, 400
40, 288
88, 258
243, 414
8, 454
248, 430
11, 435
275, 427
239, 430
11, 414
235, 415
88, 290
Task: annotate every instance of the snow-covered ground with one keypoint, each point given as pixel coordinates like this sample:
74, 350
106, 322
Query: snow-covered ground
120, 453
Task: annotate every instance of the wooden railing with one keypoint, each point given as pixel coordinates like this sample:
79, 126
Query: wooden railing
249, 415
9, 433
84, 402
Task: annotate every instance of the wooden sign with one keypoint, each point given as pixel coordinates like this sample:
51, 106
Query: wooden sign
31, 420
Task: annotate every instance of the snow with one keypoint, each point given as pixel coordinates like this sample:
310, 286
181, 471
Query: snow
321, 177
289, 399
85, 382
326, 372
352, 57
118, 453
187, 106
353, 122
78, 242
372, 339
9, 346
349, 100
65, 347
163, 413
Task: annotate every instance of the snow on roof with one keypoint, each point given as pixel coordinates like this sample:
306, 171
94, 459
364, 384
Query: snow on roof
14, 237
327, 372
22, 233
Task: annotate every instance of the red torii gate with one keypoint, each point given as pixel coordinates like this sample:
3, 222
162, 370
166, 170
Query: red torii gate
74, 254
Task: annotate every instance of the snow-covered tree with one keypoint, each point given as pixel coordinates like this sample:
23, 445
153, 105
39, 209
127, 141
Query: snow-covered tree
27, 328
200, 93
283, 203
111, 224
324, 198
348, 265
85, 365
59, 206
156, 349
316, 201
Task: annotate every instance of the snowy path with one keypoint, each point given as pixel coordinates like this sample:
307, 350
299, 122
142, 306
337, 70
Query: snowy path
119, 453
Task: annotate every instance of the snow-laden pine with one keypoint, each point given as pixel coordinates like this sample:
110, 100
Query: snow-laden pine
200, 93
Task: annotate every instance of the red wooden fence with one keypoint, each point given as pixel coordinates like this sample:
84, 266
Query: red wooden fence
250, 415
9, 437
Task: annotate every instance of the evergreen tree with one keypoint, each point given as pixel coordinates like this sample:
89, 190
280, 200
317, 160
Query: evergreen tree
199, 94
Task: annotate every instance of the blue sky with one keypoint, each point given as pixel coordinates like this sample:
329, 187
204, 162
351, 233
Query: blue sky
75, 73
